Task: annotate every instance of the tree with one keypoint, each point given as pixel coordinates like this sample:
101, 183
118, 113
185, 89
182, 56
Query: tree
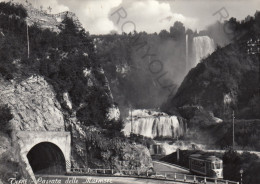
232, 165
164, 34
252, 174
177, 31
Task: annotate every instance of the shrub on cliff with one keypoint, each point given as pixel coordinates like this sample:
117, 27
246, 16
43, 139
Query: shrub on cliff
108, 150
5, 117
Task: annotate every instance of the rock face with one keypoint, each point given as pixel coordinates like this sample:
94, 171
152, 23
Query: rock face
49, 21
33, 105
12, 166
189, 112
113, 113
67, 100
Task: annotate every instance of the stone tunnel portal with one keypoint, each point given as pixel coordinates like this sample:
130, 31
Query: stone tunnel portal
47, 158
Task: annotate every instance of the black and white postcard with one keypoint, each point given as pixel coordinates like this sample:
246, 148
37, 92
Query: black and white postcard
129, 91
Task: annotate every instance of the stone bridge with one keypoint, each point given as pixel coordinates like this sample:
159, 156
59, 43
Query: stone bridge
44, 152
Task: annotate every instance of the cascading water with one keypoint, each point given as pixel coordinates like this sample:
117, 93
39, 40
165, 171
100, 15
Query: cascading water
187, 54
202, 47
154, 125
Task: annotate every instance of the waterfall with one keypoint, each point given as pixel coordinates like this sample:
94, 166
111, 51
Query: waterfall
187, 54
155, 125
202, 47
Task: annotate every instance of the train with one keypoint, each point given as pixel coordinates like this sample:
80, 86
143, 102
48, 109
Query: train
210, 166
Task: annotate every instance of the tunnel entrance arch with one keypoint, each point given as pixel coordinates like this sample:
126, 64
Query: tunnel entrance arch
46, 158
27, 140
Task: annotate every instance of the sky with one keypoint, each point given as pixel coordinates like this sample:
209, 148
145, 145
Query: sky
148, 15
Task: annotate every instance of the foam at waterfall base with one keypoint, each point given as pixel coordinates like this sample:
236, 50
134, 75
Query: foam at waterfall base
168, 147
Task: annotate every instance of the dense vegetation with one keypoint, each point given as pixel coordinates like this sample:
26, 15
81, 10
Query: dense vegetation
107, 150
99, 148
246, 134
137, 81
203, 130
233, 162
229, 71
60, 58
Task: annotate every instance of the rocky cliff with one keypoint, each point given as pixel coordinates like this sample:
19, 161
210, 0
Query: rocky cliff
59, 87
33, 104
34, 107
47, 20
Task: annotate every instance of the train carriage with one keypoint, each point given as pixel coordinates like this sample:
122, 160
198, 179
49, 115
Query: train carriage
210, 166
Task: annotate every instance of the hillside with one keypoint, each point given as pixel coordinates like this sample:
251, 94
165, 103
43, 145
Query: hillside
143, 69
57, 86
226, 80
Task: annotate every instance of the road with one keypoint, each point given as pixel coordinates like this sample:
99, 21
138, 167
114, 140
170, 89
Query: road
162, 169
158, 167
44, 179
